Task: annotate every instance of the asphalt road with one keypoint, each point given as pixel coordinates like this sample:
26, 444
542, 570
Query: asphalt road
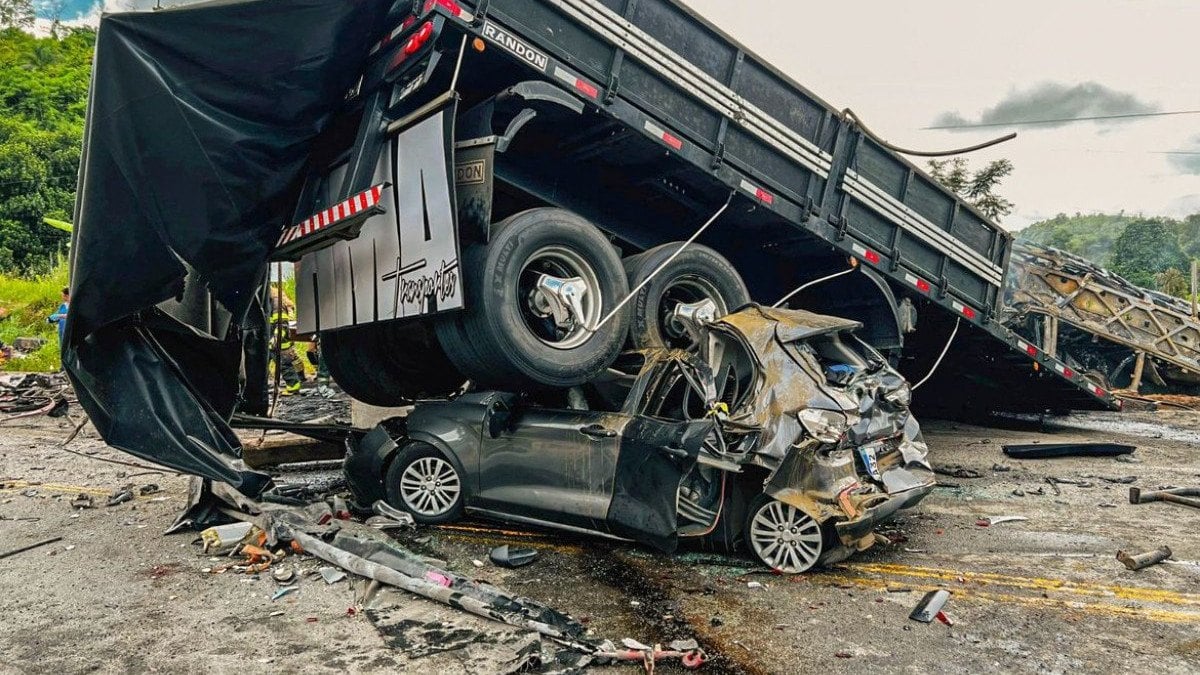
1041, 595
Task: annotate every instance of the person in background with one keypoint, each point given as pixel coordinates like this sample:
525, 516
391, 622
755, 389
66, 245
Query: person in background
60, 315
281, 339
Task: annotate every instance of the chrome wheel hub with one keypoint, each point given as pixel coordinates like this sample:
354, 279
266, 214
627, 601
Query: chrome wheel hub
430, 486
785, 538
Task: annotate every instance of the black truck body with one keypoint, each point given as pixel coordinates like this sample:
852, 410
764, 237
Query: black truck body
643, 118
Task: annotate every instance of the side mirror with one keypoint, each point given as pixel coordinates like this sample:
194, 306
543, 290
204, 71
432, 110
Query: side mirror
498, 417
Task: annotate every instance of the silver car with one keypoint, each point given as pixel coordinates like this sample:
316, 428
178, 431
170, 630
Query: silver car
784, 435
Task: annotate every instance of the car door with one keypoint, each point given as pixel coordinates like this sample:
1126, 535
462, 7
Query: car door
552, 465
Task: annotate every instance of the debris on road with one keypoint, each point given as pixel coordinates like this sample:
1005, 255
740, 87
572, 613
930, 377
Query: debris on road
44, 542
284, 591
331, 575
224, 538
83, 501
930, 606
1144, 560
512, 558
1183, 496
997, 520
650, 657
1049, 451
121, 496
957, 472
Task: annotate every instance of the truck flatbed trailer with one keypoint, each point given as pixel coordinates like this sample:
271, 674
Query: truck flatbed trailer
666, 117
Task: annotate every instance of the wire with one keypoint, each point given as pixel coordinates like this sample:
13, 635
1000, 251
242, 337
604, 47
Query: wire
1060, 120
946, 350
810, 284
849, 114
661, 267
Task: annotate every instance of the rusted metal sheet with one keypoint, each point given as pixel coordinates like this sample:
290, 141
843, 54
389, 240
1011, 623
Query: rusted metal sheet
1066, 288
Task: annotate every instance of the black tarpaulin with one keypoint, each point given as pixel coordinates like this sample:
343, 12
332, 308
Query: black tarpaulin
200, 122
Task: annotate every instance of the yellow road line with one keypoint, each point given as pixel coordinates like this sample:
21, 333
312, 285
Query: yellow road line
1159, 615
1031, 583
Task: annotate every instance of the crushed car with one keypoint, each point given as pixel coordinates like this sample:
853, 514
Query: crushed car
783, 434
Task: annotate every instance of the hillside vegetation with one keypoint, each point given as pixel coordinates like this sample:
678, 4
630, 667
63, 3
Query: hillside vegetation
1147, 251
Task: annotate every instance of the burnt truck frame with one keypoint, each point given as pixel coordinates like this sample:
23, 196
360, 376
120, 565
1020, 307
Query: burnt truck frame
494, 108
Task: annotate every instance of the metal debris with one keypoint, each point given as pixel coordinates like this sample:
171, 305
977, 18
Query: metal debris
930, 606
1144, 560
1048, 451
121, 496
997, 520
505, 556
22, 549
1184, 496
331, 575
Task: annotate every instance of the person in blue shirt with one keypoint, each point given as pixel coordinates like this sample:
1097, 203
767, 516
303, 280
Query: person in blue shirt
60, 315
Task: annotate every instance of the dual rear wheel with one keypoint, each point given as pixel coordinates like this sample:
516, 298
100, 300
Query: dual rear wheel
542, 312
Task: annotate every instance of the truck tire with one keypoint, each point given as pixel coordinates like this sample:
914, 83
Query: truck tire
508, 336
699, 273
389, 364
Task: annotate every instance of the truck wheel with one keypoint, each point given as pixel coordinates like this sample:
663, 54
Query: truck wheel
533, 293
389, 364
782, 536
424, 483
698, 274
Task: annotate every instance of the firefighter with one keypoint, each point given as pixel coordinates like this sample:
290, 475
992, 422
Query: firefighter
281, 340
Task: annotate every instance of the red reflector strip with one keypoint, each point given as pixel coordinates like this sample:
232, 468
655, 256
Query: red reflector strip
759, 193
664, 136
964, 310
867, 254
1027, 348
920, 284
1101, 393
332, 215
1064, 371
577, 83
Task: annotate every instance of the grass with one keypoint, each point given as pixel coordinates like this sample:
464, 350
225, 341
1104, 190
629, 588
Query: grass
29, 300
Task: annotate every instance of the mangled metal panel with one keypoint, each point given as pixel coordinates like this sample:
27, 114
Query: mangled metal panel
1063, 286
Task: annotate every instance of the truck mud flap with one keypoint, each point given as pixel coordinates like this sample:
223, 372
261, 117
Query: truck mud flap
654, 458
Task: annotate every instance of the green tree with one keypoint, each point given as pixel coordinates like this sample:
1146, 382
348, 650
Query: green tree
1172, 282
979, 188
43, 98
16, 14
1146, 248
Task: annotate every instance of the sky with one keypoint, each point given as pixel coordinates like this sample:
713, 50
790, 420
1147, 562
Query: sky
906, 66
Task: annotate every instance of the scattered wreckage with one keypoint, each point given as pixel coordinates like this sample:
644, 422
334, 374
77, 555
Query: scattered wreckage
1112, 331
785, 432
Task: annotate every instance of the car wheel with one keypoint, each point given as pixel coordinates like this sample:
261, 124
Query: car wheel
389, 364
696, 275
423, 482
782, 536
516, 329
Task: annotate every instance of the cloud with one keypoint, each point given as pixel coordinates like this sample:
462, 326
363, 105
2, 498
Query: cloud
1186, 159
1052, 104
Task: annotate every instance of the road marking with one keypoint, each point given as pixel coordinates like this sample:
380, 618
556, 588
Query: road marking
1058, 594
1034, 583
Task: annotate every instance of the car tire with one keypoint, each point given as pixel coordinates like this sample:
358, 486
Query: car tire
389, 364
416, 482
796, 548
698, 273
504, 339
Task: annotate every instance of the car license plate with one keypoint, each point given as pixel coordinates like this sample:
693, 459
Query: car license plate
870, 460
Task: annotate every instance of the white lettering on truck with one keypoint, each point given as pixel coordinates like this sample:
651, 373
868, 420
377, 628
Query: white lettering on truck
516, 47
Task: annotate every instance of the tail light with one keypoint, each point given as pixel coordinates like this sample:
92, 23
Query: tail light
449, 5
418, 40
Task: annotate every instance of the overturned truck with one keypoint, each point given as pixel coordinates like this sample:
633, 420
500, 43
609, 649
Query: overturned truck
510, 192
